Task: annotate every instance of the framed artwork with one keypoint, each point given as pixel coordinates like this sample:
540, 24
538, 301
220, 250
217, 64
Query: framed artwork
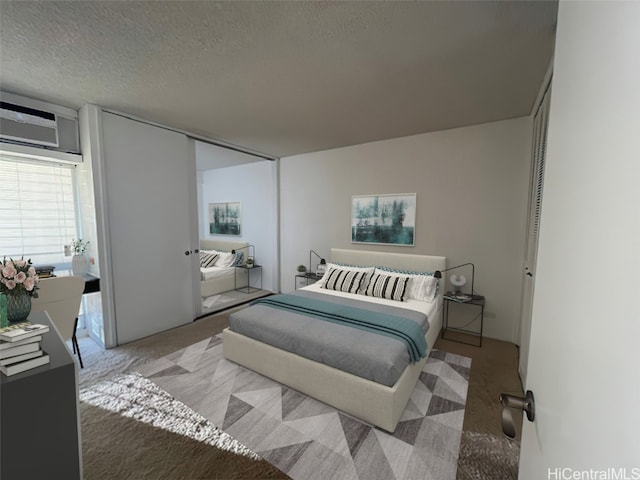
225, 218
384, 219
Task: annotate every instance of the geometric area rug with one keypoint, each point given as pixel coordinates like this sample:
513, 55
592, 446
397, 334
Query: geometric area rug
307, 439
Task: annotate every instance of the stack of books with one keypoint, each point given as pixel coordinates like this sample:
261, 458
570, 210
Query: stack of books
45, 271
20, 347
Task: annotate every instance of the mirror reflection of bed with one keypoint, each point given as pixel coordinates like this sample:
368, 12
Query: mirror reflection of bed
219, 276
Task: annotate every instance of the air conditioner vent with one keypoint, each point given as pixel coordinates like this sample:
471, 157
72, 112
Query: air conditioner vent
35, 123
24, 124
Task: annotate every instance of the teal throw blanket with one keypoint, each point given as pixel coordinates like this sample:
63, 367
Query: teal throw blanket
392, 326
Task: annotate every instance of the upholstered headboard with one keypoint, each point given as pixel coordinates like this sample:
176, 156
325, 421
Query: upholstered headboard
401, 261
221, 245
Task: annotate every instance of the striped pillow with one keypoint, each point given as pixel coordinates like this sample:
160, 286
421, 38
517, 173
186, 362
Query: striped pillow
342, 280
387, 286
207, 259
422, 286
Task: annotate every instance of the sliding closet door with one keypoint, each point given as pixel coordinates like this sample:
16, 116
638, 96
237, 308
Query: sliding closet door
540, 123
149, 180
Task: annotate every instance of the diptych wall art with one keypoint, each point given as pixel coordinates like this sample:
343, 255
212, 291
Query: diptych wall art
225, 218
388, 219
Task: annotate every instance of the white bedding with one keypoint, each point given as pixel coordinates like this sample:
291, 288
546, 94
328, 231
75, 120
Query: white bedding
419, 306
212, 273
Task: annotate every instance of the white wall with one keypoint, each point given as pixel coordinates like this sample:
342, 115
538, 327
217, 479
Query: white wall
472, 188
254, 185
583, 366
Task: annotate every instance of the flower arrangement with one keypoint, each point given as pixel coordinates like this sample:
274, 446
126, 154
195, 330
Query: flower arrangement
79, 246
17, 276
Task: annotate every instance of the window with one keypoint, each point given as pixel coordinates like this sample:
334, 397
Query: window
37, 210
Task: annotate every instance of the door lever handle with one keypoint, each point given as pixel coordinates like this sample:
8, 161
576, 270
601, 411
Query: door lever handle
508, 402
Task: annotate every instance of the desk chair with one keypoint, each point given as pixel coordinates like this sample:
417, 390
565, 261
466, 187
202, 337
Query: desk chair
60, 297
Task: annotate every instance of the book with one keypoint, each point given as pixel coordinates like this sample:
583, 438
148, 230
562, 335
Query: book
20, 358
22, 330
459, 297
25, 365
19, 350
35, 339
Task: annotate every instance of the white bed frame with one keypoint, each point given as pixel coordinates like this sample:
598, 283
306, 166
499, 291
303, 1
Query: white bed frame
224, 284
364, 399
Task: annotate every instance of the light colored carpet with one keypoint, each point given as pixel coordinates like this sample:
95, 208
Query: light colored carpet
132, 429
109, 439
307, 439
133, 396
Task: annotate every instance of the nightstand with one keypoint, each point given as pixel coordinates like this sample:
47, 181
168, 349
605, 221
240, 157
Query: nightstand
475, 302
307, 278
257, 269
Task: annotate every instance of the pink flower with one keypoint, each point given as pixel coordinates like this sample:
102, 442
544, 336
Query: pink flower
9, 271
31, 272
29, 283
11, 284
20, 263
20, 277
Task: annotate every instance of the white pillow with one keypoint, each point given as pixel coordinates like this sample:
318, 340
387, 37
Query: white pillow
225, 259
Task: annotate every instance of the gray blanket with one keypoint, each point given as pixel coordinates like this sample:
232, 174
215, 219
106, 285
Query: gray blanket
365, 354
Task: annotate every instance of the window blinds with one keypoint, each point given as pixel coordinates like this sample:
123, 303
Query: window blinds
37, 210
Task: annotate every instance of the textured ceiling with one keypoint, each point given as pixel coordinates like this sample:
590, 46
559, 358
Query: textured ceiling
283, 78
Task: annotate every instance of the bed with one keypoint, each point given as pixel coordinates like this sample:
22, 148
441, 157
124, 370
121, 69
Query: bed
215, 279
367, 399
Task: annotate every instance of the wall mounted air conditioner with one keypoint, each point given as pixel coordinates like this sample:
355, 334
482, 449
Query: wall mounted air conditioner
31, 122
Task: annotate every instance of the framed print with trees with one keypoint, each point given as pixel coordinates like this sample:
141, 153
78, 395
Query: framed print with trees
388, 219
225, 218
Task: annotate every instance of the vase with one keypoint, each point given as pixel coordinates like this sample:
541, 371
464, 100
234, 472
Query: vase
18, 306
79, 265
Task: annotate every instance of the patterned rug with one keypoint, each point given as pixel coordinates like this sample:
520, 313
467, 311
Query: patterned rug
308, 439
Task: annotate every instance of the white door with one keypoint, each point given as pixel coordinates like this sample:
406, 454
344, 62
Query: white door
150, 185
540, 123
583, 363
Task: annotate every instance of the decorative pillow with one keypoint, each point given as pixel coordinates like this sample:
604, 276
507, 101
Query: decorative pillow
225, 259
391, 287
207, 259
342, 280
423, 286
239, 259
366, 270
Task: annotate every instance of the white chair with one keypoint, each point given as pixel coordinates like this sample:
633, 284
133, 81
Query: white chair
61, 297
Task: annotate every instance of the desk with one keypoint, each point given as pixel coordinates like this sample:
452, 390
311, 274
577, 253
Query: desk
91, 282
39, 434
